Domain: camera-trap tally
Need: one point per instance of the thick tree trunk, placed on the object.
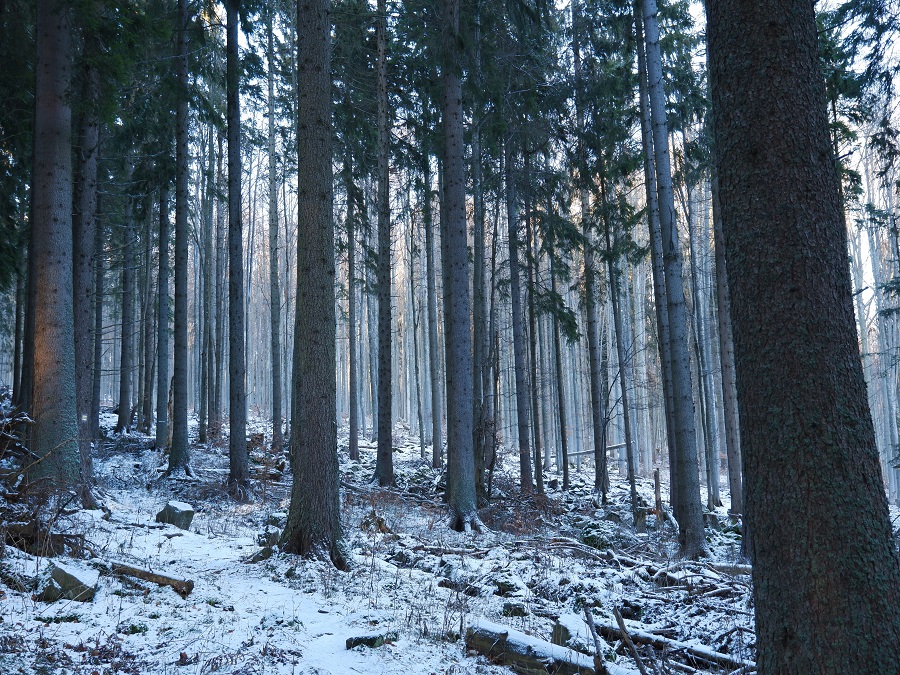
(179, 453)
(826, 576)
(460, 453)
(274, 284)
(515, 293)
(688, 509)
(384, 463)
(55, 432)
(314, 525)
(238, 471)
(84, 226)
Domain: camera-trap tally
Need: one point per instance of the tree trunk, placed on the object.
(84, 226)
(522, 399)
(532, 331)
(726, 356)
(147, 326)
(274, 284)
(238, 471)
(688, 509)
(179, 453)
(55, 432)
(433, 358)
(162, 325)
(460, 453)
(97, 375)
(826, 595)
(384, 463)
(560, 389)
(126, 360)
(206, 375)
(314, 525)
(351, 313)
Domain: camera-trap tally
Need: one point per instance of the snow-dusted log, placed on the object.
(610, 630)
(181, 586)
(530, 655)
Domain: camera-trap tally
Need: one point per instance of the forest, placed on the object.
(450, 336)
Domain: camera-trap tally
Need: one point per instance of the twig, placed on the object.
(627, 638)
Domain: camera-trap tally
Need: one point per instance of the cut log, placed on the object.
(611, 631)
(181, 586)
(529, 655)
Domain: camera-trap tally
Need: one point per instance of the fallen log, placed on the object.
(181, 586)
(530, 655)
(611, 631)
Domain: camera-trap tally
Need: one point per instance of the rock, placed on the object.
(262, 554)
(372, 639)
(70, 582)
(268, 537)
(514, 609)
(179, 514)
(712, 521)
(507, 584)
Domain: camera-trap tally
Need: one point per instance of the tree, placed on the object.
(314, 525)
(55, 435)
(825, 571)
(179, 453)
(238, 472)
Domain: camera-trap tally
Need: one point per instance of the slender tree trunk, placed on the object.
(126, 360)
(221, 278)
(162, 325)
(97, 375)
(274, 284)
(314, 525)
(351, 312)
(532, 331)
(207, 243)
(55, 432)
(726, 355)
(238, 472)
(179, 453)
(433, 358)
(688, 509)
(146, 398)
(826, 597)
(384, 465)
(656, 257)
(560, 389)
(19, 331)
(522, 399)
(460, 453)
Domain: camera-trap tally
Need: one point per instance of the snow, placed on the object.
(418, 578)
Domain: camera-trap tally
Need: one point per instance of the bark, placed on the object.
(97, 373)
(351, 313)
(19, 332)
(84, 226)
(147, 325)
(179, 453)
(314, 526)
(532, 331)
(206, 309)
(384, 463)
(688, 509)
(162, 325)
(274, 283)
(826, 595)
(521, 377)
(215, 423)
(460, 452)
(55, 432)
(238, 467)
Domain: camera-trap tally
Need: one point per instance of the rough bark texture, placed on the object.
(384, 464)
(126, 359)
(84, 226)
(238, 472)
(352, 322)
(55, 433)
(314, 525)
(98, 327)
(687, 504)
(179, 453)
(826, 578)
(460, 454)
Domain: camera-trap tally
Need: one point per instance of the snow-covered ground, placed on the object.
(413, 579)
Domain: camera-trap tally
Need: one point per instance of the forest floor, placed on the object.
(413, 580)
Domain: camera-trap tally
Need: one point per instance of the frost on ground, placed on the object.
(415, 584)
